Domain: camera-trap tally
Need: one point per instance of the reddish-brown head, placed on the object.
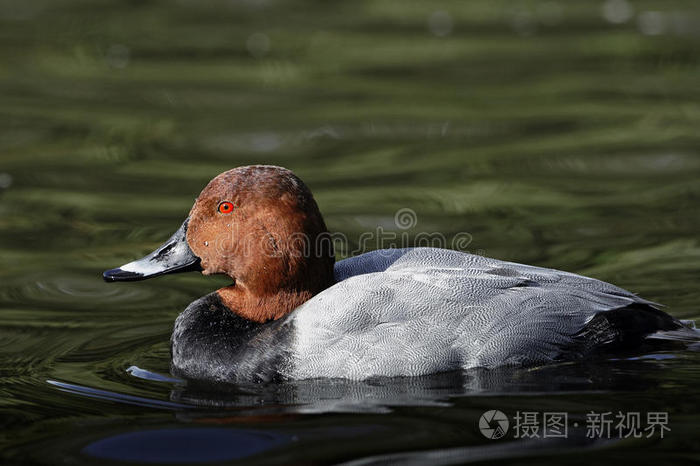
(260, 225)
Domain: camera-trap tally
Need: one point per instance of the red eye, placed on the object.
(225, 207)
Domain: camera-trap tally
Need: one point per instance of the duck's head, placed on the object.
(259, 225)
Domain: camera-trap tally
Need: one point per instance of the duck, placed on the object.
(292, 312)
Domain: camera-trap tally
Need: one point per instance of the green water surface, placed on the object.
(559, 134)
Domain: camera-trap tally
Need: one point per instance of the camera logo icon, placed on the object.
(493, 424)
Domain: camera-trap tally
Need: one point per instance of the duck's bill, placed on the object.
(173, 256)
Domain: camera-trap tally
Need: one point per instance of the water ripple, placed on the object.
(72, 289)
(113, 396)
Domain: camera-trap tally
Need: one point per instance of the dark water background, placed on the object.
(561, 134)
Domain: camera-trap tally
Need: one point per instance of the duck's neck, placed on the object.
(262, 307)
(259, 299)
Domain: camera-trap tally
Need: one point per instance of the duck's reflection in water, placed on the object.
(227, 422)
(379, 395)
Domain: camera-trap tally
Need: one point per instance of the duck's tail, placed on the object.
(687, 332)
(632, 327)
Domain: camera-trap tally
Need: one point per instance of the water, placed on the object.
(548, 133)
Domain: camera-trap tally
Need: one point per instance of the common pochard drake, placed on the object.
(293, 313)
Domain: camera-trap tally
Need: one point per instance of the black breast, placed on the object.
(212, 343)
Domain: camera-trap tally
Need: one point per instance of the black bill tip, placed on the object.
(119, 275)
